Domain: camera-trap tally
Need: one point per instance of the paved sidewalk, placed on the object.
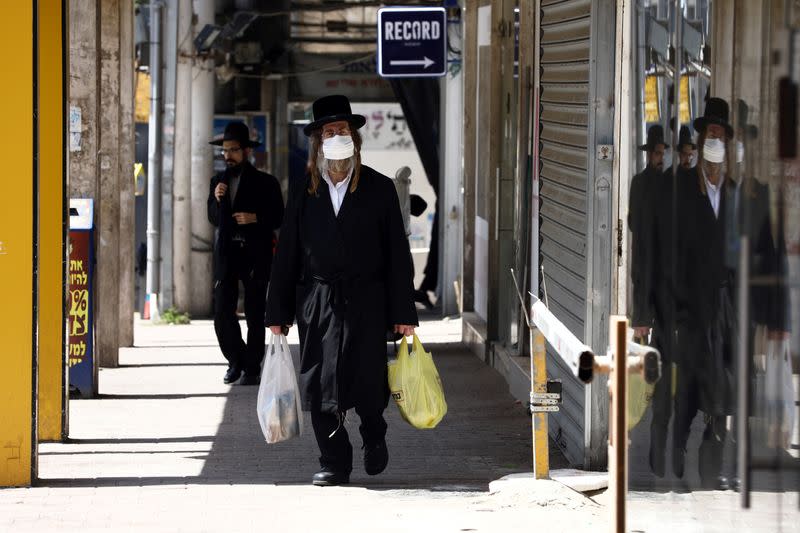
(168, 447)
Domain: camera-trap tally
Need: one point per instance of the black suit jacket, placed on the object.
(641, 221)
(258, 193)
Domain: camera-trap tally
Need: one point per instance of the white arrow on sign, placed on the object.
(424, 63)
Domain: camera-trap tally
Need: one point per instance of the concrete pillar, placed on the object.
(126, 159)
(108, 174)
(101, 157)
(83, 97)
(202, 169)
(182, 189)
(169, 44)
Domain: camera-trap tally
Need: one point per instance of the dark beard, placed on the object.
(339, 165)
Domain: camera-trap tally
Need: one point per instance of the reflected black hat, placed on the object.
(716, 112)
(236, 131)
(750, 131)
(655, 135)
(333, 109)
(685, 138)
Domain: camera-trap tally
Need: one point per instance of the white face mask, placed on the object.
(338, 147)
(714, 151)
(739, 151)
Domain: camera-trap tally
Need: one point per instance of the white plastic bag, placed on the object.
(780, 394)
(279, 412)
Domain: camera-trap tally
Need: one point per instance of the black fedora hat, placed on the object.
(236, 131)
(333, 108)
(716, 112)
(655, 135)
(749, 131)
(685, 138)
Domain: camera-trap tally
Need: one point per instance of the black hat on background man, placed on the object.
(750, 131)
(685, 138)
(655, 136)
(716, 112)
(236, 131)
(333, 108)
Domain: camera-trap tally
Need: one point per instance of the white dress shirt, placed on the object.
(337, 191)
(714, 194)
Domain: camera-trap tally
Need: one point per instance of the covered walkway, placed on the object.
(167, 446)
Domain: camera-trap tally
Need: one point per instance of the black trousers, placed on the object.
(663, 340)
(249, 356)
(687, 405)
(336, 452)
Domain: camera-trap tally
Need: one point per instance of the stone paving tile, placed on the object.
(170, 448)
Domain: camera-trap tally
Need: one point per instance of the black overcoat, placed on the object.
(703, 289)
(258, 193)
(641, 220)
(346, 279)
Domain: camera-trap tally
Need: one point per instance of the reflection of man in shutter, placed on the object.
(641, 222)
(343, 271)
(705, 317)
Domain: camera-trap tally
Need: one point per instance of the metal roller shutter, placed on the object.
(564, 98)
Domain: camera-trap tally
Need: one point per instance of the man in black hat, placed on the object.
(686, 148)
(246, 206)
(640, 222)
(704, 314)
(343, 271)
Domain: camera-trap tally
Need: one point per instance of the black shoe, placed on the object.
(678, 461)
(250, 379)
(376, 457)
(422, 297)
(328, 477)
(717, 483)
(657, 461)
(232, 375)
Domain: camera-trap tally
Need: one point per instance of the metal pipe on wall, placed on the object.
(154, 151)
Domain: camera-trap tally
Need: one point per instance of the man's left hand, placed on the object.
(406, 329)
(245, 218)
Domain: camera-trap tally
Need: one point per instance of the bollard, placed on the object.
(541, 448)
(618, 427)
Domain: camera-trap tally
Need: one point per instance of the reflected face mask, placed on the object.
(714, 151)
(338, 147)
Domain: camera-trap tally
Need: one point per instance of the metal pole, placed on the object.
(641, 63)
(676, 83)
(154, 151)
(618, 432)
(541, 451)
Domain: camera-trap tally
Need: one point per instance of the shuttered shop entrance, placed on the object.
(564, 96)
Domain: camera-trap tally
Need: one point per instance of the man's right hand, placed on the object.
(279, 330)
(220, 191)
(641, 332)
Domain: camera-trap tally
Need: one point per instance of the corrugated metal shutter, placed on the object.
(564, 62)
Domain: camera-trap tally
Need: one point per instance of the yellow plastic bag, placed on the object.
(416, 386)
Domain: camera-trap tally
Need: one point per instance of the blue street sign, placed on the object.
(412, 42)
